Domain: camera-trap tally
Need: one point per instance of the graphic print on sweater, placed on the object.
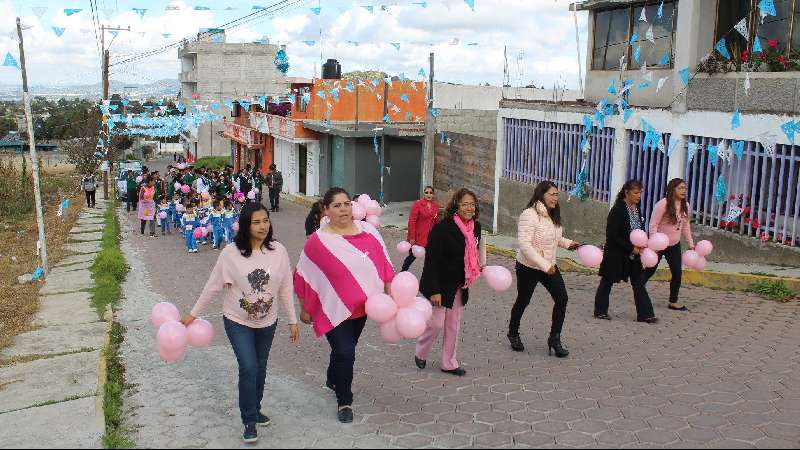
(258, 309)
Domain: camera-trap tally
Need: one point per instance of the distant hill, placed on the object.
(160, 88)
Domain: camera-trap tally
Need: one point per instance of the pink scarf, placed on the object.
(472, 265)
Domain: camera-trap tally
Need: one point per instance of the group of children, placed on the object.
(189, 212)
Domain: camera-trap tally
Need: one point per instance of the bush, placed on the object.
(213, 162)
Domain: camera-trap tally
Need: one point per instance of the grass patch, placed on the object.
(774, 290)
(115, 434)
(108, 269)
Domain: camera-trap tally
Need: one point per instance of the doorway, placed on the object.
(302, 166)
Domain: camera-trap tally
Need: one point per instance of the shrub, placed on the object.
(213, 162)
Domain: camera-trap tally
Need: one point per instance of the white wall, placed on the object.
(312, 169)
(286, 160)
(461, 96)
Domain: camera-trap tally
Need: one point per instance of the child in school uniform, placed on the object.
(228, 218)
(177, 216)
(190, 222)
(203, 218)
(173, 211)
(216, 223)
(164, 209)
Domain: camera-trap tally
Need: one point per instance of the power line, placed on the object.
(270, 10)
(96, 24)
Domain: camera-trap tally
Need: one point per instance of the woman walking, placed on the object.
(343, 264)
(424, 214)
(540, 234)
(621, 259)
(671, 217)
(147, 206)
(252, 277)
(454, 259)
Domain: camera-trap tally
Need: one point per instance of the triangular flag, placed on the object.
(634, 38)
(674, 143)
(404, 98)
(736, 120)
(422, 4)
(114, 33)
(396, 45)
(738, 149)
(713, 154)
(757, 45)
(422, 73)
(650, 35)
(627, 115)
(661, 82)
(789, 128)
(316, 10)
(684, 73)
(768, 141)
(70, 12)
(612, 88)
(741, 27)
(644, 85)
(166, 35)
(664, 60)
(734, 212)
(258, 7)
(140, 11)
(202, 8)
(371, 9)
(767, 8)
(125, 102)
(721, 193)
(39, 11)
(691, 150)
(310, 43)
(10, 61)
(722, 48)
(643, 16)
(471, 4)
(747, 83)
(637, 54)
(58, 31)
(660, 12)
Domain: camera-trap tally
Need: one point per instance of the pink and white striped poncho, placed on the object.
(336, 274)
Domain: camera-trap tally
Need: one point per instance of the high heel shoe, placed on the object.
(554, 345)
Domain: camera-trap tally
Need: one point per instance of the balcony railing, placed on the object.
(243, 135)
(279, 126)
(189, 77)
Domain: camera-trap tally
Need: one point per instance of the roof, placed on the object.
(20, 143)
(588, 5)
(366, 129)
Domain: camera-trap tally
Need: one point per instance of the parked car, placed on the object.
(121, 169)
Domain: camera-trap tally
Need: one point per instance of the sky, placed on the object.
(538, 37)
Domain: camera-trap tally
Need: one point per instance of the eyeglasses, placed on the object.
(468, 205)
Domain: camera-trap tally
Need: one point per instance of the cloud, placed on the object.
(537, 35)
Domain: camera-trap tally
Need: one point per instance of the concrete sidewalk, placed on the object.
(718, 275)
(50, 392)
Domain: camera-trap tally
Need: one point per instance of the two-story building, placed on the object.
(704, 90)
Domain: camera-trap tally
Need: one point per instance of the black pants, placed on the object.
(409, 261)
(152, 225)
(343, 340)
(274, 198)
(527, 279)
(132, 201)
(675, 262)
(90, 199)
(638, 279)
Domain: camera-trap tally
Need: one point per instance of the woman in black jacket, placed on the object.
(453, 261)
(621, 259)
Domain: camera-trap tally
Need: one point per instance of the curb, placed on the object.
(302, 200)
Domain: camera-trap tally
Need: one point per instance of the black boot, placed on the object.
(554, 345)
(516, 342)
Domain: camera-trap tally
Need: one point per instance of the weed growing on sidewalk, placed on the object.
(115, 435)
(774, 290)
(109, 268)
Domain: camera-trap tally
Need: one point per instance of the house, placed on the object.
(363, 135)
(213, 70)
(674, 89)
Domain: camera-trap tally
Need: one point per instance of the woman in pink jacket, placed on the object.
(540, 235)
(424, 215)
(671, 217)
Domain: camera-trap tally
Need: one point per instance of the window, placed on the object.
(729, 13)
(237, 110)
(614, 30)
(777, 27)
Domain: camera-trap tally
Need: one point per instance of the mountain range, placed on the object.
(160, 88)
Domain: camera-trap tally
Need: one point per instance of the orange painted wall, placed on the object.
(370, 106)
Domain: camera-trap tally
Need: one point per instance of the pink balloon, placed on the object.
(389, 332)
(498, 277)
(364, 200)
(704, 248)
(649, 258)
(374, 208)
(381, 308)
(418, 251)
(205, 231)
(590, 256)
(251, 195)
(403, 247)
(256, 190)
(163, 312)
(198, 233)
(185, 189)
(177, 185)
(170, 356)
(172, 335)
(359, 213)
(162, 215)
(424, 306)
(639, 238)
(690, 258)
(375, 221)
(405, 287)
(658, 242)
(200, 333)
(180, 208)
(235, 227)
(139, 179)
(410, 323)
(701, 263)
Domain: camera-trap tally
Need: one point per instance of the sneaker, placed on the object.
(250, 434)
(263, 420)
(345, 414)
(516, 342)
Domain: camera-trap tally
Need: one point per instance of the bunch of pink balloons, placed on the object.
(365, 208)
(696, 259)
(403, 247)
(185, 189)
(650, 246)
(251, 195)
(177, 185)
(162, 215)
(240, 197)
(402, 315)
(139, 179)
(172, 336)
(498, 277)
(590, 256)
(198, 232)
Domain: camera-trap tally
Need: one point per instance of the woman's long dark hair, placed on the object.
(627, 187)
(672, 215)
(242, 239)
(538, 196)
(452, 206)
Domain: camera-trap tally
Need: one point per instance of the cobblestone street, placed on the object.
(724, 375)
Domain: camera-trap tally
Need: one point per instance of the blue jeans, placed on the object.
(218, 235)
(251, 346)
(191, 242)
(343, 340)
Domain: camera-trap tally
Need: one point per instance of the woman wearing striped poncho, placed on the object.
(342, 264)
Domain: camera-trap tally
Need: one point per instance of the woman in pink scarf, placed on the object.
(453, 261)
(147, 206)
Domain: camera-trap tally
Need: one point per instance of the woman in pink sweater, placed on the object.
(671, 217)
(540, 236)
(253, 277)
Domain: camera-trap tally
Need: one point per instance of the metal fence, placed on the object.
(650, 167)
(766, 188)
(537, 151)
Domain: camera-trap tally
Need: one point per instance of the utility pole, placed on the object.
(105, 65)
(37, 192)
